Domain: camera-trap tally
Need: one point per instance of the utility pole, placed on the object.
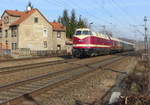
(145, 38)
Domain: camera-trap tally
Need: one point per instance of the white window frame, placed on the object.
(45, 44)
(14, 46)
(14, 32)
(45, 32)
(58, 47)
(58, 34)
(0, 33)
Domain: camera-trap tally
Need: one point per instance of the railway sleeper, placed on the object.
(54, 81)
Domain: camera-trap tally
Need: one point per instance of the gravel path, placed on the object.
(21, 75)
(87, 89)
(23, 62)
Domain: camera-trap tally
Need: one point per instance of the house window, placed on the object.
(6, 20)
(14, 46)
(58, 34)
(45, 44)
(14, 31)
(45, 32)
(6, 33)
(6, 43)
(58, 47)
(0, 33)
(36, 20)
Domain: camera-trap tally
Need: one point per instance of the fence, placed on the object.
(5, 52)
(49, 53)
(28, 52)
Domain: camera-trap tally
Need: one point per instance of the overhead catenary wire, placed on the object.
(65, 6)
(125, 12)
(88, 13)
(107, 12)
(92, 15)
(77, 6)
(110, 14)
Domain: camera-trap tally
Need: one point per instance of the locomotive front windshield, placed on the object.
(83, 33)
(78, 32)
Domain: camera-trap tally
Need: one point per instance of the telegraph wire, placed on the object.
(107, 11)
(90, 14)
(111, 15)
(58, 3)
(126, 13)
(123, 11)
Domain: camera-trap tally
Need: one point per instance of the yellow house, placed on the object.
(59, 35)
(30, 30)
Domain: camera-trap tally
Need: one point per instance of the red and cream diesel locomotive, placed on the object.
(88, 43)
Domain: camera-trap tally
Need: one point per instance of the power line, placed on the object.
(124, 11)
(85, 11)
(95, 16)
(55, 3)
(131, 19)
(89, 13)
(110, 14)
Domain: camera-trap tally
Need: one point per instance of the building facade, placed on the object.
(59, 35)
(30, 30)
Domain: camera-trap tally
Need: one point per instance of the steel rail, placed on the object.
(34, 87)
(17, 68)
(12, 69)
(55, 72)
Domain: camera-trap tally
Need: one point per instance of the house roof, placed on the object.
(23, 16)
(57, 26)
(15, 12)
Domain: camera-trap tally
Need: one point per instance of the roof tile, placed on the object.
(24, 16)
(15, 12)
(57, 26)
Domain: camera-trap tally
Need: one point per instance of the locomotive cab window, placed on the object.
(86, 33)
(78, 32)
(83, 33)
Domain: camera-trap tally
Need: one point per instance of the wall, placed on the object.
(59, 41)
(31, 35)
(10, 39)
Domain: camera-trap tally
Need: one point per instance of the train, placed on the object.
(87, 43)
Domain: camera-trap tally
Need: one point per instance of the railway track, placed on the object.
(14, 92)
(30, 58)
(21, 59)
(11, 69)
